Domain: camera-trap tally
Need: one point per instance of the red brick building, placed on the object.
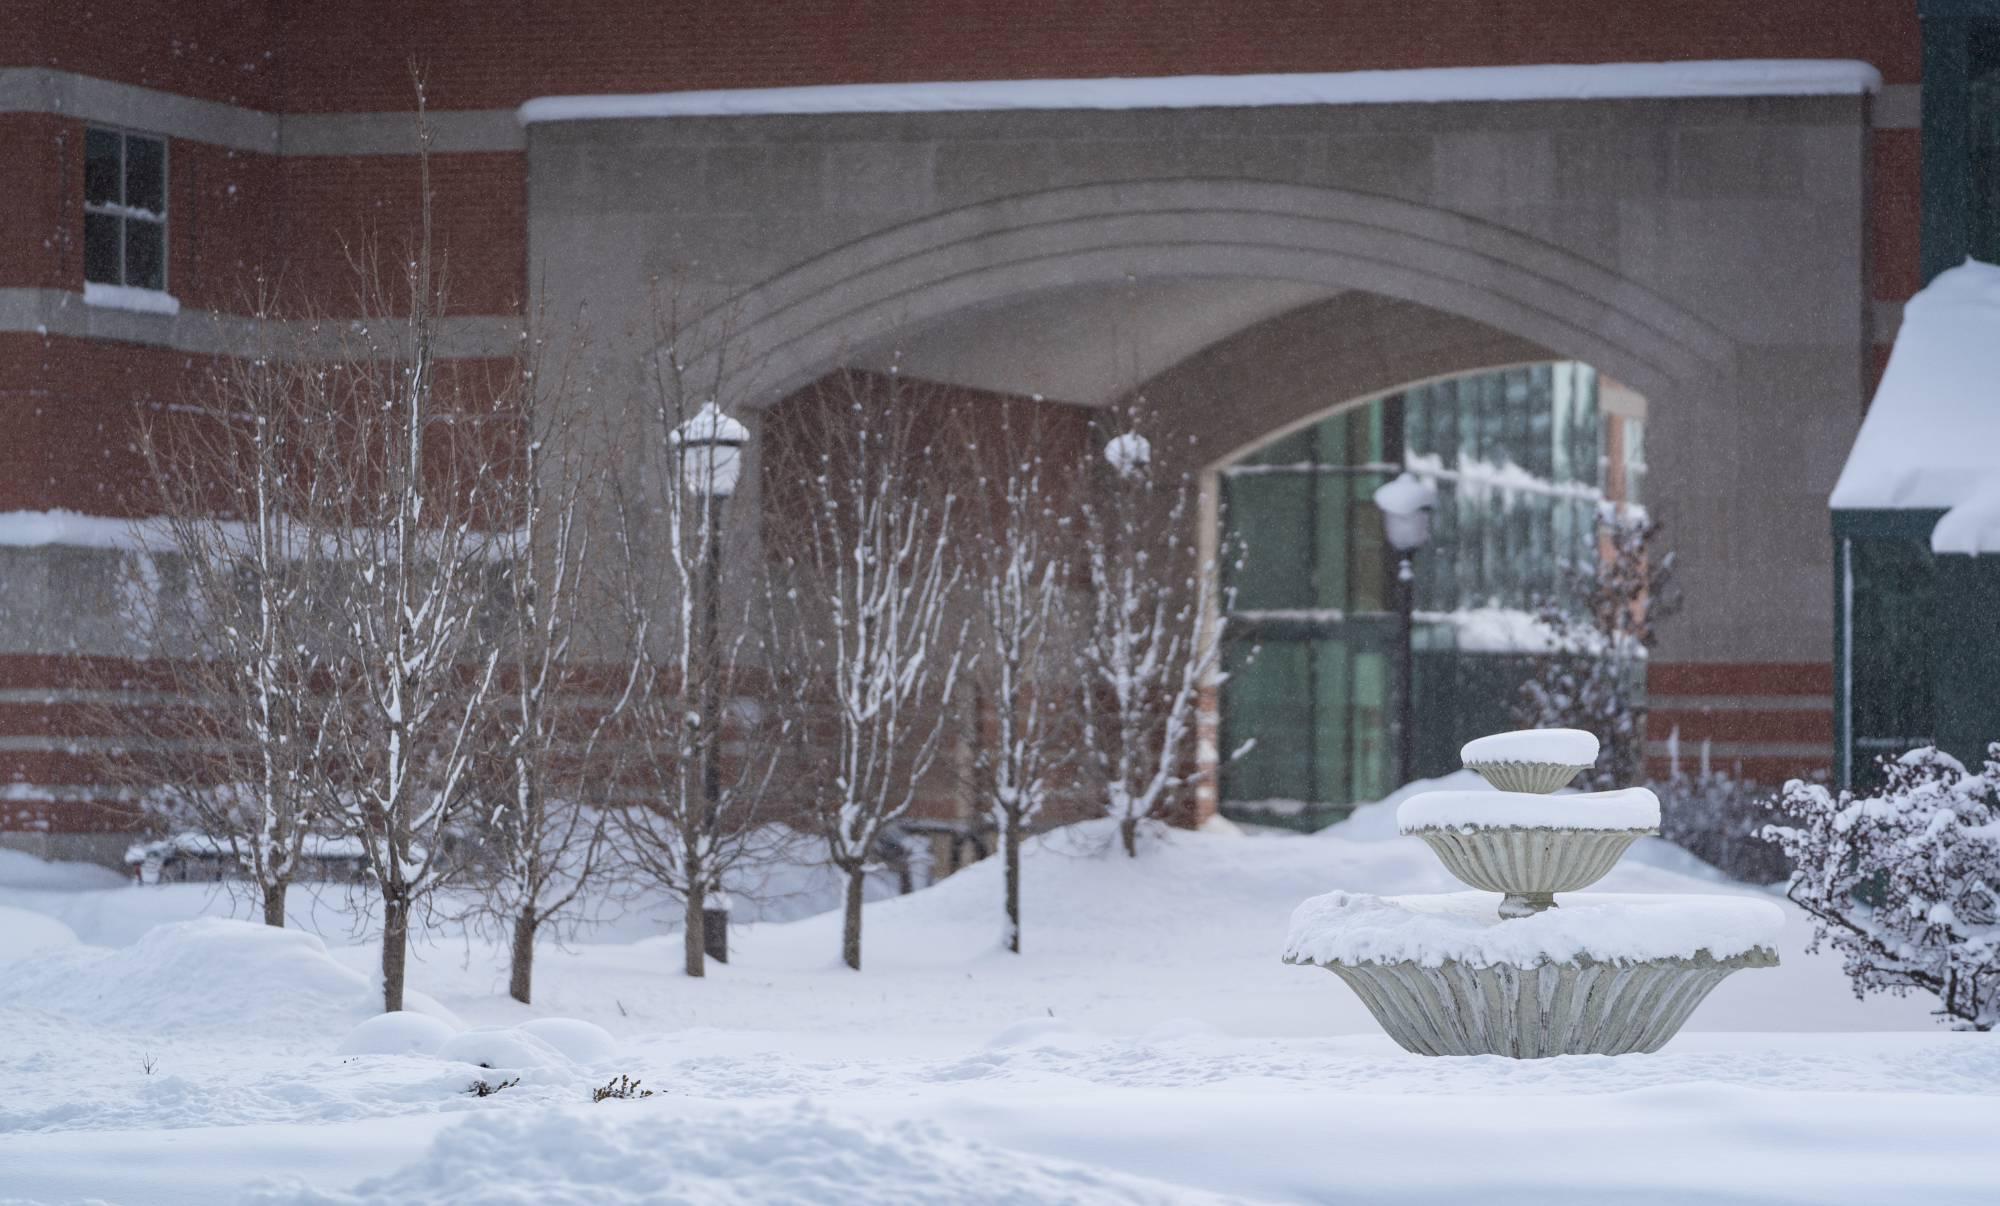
(172, 149)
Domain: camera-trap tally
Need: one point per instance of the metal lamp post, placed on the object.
(1407, 503)
(710, 447)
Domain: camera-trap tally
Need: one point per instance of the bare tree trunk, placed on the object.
(274, 904)
(1128, 833)
(850, 932)
(395, 950)
(1011, 839)
(696, 932)
(521, 971)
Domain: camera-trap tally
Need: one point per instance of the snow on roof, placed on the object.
(1973, 526)
(1932, 435)
(1591, 81)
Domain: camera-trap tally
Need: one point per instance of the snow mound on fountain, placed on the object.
(1465, 927)
(1628, 808)
(1563, 747)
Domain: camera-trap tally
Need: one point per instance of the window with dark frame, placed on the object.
(124, 209)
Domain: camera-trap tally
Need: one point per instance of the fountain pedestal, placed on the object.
(1463, 974)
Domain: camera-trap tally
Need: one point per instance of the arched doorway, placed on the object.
(1523, 458)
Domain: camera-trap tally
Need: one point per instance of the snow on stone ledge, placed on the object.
(1592, 81)
(126, 297)
(1973, 526)
(1629, 808)
(1932, 435)
(1564, 747)
(31, 529)
(1354, 927)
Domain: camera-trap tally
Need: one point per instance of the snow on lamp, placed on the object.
(1406, 503)
(1130, 454)
(711, 451)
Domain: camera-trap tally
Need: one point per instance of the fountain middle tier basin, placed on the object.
(1529, 847)
(1605, 974)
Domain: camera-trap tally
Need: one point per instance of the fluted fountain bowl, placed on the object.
(1606, 974)
(1529, 866)
(1536, 778)
(1529, 847)
(1536, 761)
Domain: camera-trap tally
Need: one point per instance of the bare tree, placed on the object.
(1023, 553)
(409, 449)
(1602, 630)
(1151, 638)
(702, 753)
(235, 749)
(869, 656)
(546, 836)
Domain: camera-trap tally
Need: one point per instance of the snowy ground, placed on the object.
(1148, 1047)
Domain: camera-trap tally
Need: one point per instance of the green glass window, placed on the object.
(1515, 456)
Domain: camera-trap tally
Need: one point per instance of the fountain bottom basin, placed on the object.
(1586, 1007)
(1604, 974)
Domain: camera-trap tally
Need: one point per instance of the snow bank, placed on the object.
(1627, 808)
(1932, 435)
(399, 1033)
(580, 1041)
(23, 934)
(203, 976)
(1353, 927)
(501, 1047)
(19, 870)
(1376, 821)
(721, 1158)
(1592, 81)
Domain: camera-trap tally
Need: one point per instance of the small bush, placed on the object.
(1905, 882)
(622, 1089)
(481, 1088)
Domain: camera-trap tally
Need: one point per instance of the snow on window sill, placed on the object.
(127, 297)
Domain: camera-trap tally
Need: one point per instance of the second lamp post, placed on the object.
(1406, 502)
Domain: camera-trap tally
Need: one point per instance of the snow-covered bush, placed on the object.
(1720, 819)
(1601, 630)
(1903, 881)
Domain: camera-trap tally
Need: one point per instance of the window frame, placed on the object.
(125, 213)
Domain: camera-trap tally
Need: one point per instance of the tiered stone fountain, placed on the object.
(1463, 974)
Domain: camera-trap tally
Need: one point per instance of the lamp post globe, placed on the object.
(1130, 454)
(710, 446)
(1407, 503)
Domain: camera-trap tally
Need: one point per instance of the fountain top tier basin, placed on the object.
(1531, 760)
(1353, 928)
(1633, 808)
(1572, 746)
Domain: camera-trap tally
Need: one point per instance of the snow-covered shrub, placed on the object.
(623, 1088)
(1720, 819)
(1903, 881)
(1601, 631)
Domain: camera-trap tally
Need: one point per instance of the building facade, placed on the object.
(1715, 206)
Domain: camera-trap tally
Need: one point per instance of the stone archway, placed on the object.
(790, 327)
